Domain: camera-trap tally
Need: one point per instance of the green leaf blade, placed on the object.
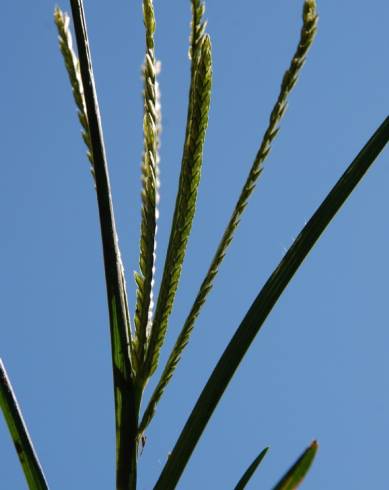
(292, 479)
(262, 306)
(251, 470)
(127, 398)
(18, 430)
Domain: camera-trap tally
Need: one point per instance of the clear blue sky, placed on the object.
(319, 368)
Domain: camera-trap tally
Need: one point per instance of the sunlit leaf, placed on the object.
(292, 479)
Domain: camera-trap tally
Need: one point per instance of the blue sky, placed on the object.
(319, 368)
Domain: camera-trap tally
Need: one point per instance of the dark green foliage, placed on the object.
(13, 416)
(251, 470)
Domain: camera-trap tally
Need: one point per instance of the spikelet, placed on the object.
(198, 26)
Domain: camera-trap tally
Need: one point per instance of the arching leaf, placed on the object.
(262, 306)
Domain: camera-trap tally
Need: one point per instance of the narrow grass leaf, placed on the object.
(289, 80)
(262, 306)
(151, 130)
(251, 470)
(126, 398)
(298, 471)
(13, 416)
(197, 121)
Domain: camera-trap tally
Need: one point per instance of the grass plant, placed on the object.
(137, 337)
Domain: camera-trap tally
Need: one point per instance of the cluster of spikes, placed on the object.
(150, 327)
(149, 331)
(138, 347)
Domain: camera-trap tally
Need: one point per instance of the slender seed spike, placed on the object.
(149, 194)
(307, 35)
(72, 65)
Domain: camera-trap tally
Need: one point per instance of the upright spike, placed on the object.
(150, 184)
